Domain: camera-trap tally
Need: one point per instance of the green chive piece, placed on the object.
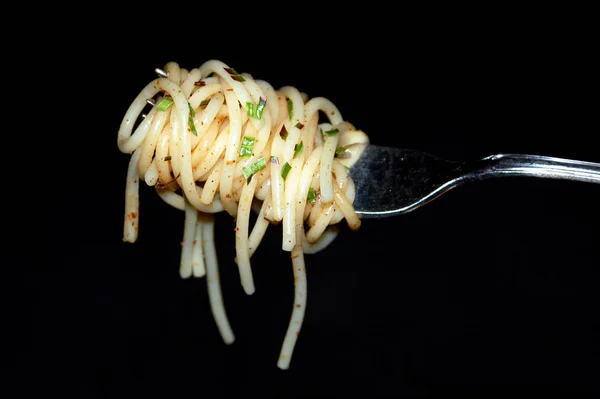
(191, 120)
(247, 172)
(250, 109)
(283, 133)
(340, 150)
(247, 146)
(165, 103)
(256, 167)
(259, 165)
(204, 103)
(285, 170)
(260, 108)
(299, 125)
(332, 132)
(235, 75)
(290, 105)
(298, 149)
(322, 134)
(312, 195)
(192, 126)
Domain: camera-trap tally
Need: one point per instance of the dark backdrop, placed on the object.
(490, 290)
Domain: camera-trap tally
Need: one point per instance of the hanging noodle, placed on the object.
(216, 140)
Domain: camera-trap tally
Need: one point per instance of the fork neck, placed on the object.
(500, 165)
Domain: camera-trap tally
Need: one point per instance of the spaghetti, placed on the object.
(216, 140)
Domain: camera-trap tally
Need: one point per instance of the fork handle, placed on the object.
(499, 165)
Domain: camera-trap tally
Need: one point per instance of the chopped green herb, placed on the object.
(191, 120)
(275, 160)
(347, 168)
(247, 172)
(204, 103)
(332, 132)
(285, 170)
(247, 146)
(165, 103)
(322, 134)
(260, 107)
(235, 75)
(250, 109)
(290, 105)
(312, 195)
(298, 149)
(256, 111)
(192, 126)
(256, 167)
(283, 133)
(299, 125)
(342, 152)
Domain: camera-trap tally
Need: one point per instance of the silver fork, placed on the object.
(392, 181)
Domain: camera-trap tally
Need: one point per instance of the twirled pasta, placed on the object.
(216, 140)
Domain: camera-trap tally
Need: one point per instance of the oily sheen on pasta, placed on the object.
(216, 140)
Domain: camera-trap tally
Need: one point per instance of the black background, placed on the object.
(490, 290)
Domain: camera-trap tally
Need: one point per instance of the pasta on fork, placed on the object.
(216, 140)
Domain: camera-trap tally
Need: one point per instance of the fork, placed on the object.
(393, 181)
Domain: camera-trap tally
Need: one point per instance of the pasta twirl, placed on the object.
(216, 140)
